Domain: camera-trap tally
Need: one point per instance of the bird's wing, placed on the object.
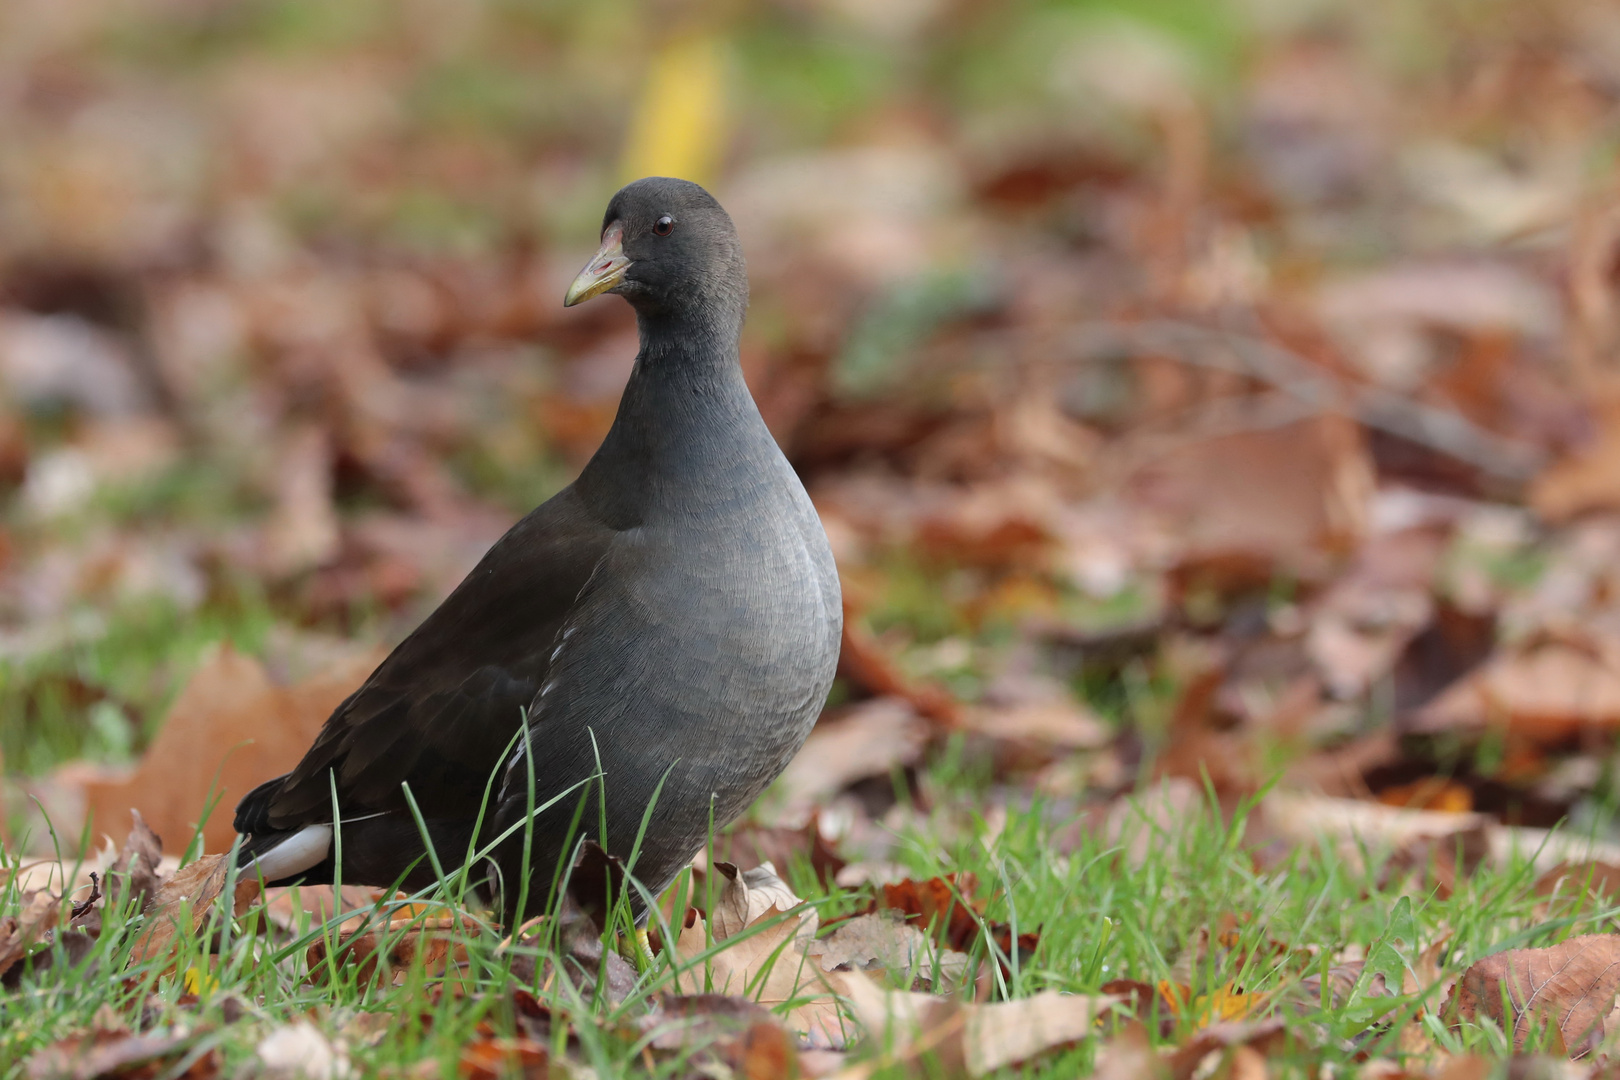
(439, 711)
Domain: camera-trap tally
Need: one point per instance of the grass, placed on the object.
(1188, 907)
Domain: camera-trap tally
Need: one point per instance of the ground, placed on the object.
(1212, 407)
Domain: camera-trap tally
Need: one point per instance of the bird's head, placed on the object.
(670, 249)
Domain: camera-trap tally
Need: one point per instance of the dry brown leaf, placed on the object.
(1570, 986)
(863, 660)
(229, 729)
(1187, 1060)
(946, 907)
(753, 844)
(302, 531)
(766, 964)
(1127, 1056)
(1547, 690)
(136, 870)
(297, 908)
(492, 1058)
(1354, 824)
(1286, 495)
(973, 1040)
(386, 955)
(885, 942)
(749, 894)
(1586, 480)
(107, 1055)
(870, 739)
(300, 1051)
(1360, 627)
(1063, 725)
(1599, 880)
(18, 933)
(726, 1035)
(190, 894)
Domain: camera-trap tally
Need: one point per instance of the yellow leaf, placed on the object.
(198, 980)
(680, 120)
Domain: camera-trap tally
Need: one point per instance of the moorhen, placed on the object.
(668, 623)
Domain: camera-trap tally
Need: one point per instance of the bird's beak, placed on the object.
(604, 271)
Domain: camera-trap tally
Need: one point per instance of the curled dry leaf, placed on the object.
(18, 933)
(1568, 988)
(189, 895)
(135, 875)
(748, 894)
(973, 1040)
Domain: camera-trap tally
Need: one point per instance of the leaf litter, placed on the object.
(1200, 453)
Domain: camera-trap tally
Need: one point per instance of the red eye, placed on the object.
(664, 225)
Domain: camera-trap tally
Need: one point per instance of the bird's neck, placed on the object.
(686, 415)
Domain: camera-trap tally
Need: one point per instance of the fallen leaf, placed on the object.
(1549, 690)
(885, 942)
(863, 660)
(753, 844)
(1353, 825)
(1430, 793)
(106, 1055)
(18, 933)
(1586, 480)
(1127, 1056)
(189, 896)
(1569, 987)
(1013, 1032)
(945, 907)
(1599, 880)
(870, 739)
(299, 1051)
(1187, 1060)
(973, 1040)
(766, 964)
(491, 1058)
(747, 895)
(295, 909)
(302, 531)
(385, 955)
(712, 1032)
(1287, 496)
(1061, 725)
(134, 876)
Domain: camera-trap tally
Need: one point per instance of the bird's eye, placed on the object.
(664, 225)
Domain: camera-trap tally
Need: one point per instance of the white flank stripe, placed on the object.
(300, 851)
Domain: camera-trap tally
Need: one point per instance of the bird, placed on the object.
(652, 645)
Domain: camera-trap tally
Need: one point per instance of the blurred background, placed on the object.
(1191, 388)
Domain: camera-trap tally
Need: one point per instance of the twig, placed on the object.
(1441, 430)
